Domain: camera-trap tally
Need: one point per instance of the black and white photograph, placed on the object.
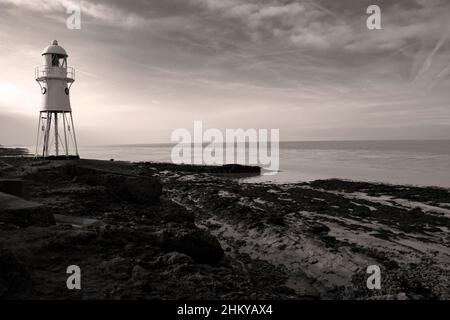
(203, 152)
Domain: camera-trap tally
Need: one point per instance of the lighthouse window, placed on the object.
(58, 60)
(55, 60)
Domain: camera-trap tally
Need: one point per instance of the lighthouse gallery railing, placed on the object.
(42, 72)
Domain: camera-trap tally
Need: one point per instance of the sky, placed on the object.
(309, 68)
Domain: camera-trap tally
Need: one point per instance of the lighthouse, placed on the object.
(56, 133)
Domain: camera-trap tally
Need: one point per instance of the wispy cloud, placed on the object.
(276, 62)
(101, 11)
(429, 59)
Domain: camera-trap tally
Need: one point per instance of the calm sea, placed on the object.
(402, 162)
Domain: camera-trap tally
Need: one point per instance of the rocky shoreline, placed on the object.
(161, 231)
(13, 152)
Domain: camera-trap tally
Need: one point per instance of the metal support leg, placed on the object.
(56, 135)
(74, 135)
(47, 134)
(38, 134)
(65, 134)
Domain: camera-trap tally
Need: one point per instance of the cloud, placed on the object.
(100, 11)
(275, 61)
(16, 129)
(429, 60)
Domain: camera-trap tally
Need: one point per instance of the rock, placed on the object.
(23, 213)
(402, 296)
(276, 220)
(237, 168)
(3, 290)
(14, 275)
(196, 278)
(140, 189)
(160, 236)
(198, 244)
(174, 213)
(176, 258)
(12, 186)
(5, 166)
(116, 268)
(144, 189)
(74, 220)
(223, 169)
(138, 273)
(319, 228)
(13, 151)
(72, 238)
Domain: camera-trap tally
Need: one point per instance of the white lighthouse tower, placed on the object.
(56, 133)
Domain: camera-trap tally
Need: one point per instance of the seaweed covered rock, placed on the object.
(23, 213)
(15, 187)
(140, 189)
(14, 276)
(199, 244)
(143, 189)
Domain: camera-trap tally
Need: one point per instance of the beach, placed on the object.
(153, 230)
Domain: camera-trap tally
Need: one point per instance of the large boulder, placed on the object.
(199, 244)
(140, 189)
(143, 189)
(23, 213)
(15, 278)
(12, 186)
(117, 268)
(146, 190)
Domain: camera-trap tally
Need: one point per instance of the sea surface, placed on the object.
(424, 162)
